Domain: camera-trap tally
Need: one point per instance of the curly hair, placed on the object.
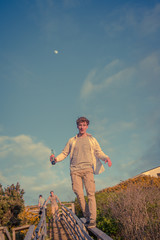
(82, 119)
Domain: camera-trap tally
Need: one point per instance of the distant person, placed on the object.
(54, 205)
(85, 153)
(41, 202)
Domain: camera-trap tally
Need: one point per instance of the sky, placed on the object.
(62, 59)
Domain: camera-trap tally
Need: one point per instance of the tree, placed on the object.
(11, 204)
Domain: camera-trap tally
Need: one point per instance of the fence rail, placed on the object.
(4, 234)
(41, 230)
(75, 226)
(30, 232)
(97, 232)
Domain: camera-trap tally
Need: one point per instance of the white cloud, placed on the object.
(99, 80)
(26, 161)
(105, 131)
(23, 146)
(115, 74)
(144, 21)
(149, 69)
(150, 22)
(88, 86)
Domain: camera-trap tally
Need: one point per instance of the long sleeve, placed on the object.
(64, 153)
(98, 151)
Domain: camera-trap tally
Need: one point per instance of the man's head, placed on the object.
(51, 192)
(82, 125)
(40, 196)
(82, 120)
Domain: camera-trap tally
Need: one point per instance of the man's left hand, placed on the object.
(108, 160)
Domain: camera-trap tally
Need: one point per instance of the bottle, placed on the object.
(53, 162)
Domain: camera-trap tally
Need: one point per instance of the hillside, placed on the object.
(140, 181)
(129, 210)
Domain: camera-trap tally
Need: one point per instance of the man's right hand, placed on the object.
(53, 160)
(52, 157)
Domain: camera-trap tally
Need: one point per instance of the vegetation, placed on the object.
(11, 204)
(130, 210)
(28, 217)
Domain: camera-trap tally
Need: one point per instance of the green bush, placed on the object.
(11, 204)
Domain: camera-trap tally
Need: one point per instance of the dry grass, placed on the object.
(137, 210)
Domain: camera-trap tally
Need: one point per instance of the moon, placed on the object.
(56, 51)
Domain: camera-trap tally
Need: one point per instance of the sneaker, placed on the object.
(87, 223)
(91, 225)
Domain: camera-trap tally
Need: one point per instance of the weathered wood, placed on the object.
(18, 229)
(97, 232)
(4, 232)
(75, 226)
(58, 231)
(40, 231)
(29, 234)
(73, 207)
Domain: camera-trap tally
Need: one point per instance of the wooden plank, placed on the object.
(97, 232)
(58, 231)
(21, 228)
(29, 233)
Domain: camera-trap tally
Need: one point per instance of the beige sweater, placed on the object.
(96, 152)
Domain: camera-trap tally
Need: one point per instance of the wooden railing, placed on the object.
(77, 228)
(29, 234)
(14, 230)
(97, 232)
(74, 225)
(4, 234)
(40, 232)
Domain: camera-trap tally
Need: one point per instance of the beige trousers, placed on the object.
(86, 177)
(55, 211)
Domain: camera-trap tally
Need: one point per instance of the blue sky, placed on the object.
(107, 68)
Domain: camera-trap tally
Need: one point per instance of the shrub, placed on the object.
(133, 207)
(11, 204)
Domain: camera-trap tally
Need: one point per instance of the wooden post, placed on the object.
(13, 234)
(73, 207)
(4, 232)
(18, 229)
(2, 235)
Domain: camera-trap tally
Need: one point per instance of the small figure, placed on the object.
(54, 205)
(41, 202)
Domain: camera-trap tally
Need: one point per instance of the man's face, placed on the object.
(82, 127)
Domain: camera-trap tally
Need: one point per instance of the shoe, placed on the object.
(91, 225)
(86, 223)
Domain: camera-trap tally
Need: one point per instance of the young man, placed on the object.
(41, 202)
(85, 153)
(54, 205)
